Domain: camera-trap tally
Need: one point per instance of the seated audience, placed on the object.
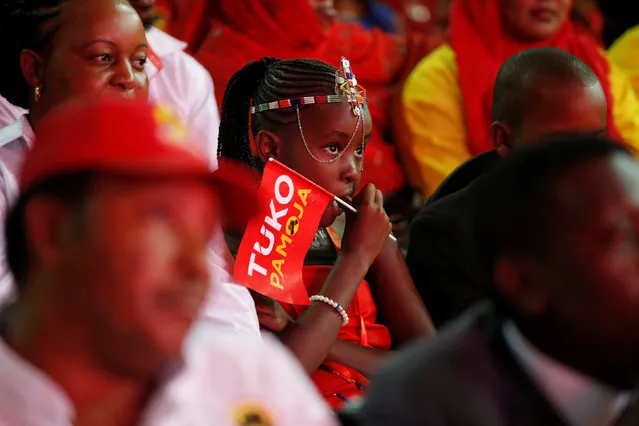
(108, 244)
(247, 30)
(44, 66)
(557, 231)
(538, 92)
(447, 98)
(340, 356)
(623, 53)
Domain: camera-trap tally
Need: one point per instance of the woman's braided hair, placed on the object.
(24, 24)
(264, 81)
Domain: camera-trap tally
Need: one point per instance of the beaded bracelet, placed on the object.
(340, 310)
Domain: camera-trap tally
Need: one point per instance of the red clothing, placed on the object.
(481, 46)
(361, 329)
(337, 382)
(247, 30)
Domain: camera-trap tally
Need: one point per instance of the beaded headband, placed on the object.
(347, 83)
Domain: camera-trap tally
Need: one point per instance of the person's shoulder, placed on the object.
(175, 60)
(449, 208)
(262, 371)
(457, 343)
(426, 381)
(627, 42)
(441, 61)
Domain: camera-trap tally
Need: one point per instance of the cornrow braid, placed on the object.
(266, 81)
(24, 24)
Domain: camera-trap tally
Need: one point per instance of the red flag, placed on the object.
(272, 251)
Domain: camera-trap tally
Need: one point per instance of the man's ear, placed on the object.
(501, 136)
(512, 277)
(267, 145)
(45, 226)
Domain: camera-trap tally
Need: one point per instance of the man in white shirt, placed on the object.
(108, 247)
(177, 79)
(557, 231)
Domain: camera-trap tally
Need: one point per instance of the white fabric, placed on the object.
(9, 112)
(581, 400)
(186, 85)
(15, 140)
(220, 374)
(182, 82)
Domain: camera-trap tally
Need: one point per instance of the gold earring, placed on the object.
(36, 93)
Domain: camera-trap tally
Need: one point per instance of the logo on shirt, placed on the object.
(251, 415)
(171, 129)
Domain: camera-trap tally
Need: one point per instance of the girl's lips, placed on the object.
(544, 14)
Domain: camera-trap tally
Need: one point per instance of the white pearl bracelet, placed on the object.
(340, 310)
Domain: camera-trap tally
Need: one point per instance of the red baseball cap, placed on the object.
(133, 138)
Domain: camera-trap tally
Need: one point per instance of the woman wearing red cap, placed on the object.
(447, 99)
(326, 143)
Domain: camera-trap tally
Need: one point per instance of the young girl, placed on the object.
(325, 142)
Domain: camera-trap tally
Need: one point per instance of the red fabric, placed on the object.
(184, 19)
(361, 329)
(247, 30)
(481, 46)
(271, 256)
(131, 137)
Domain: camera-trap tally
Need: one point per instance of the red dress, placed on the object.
(337, 382)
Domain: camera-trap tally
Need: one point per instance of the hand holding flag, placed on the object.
(271, 255)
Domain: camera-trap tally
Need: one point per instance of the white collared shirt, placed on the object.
(580, 400)
(223, 377)
(181, 82)
(186, 85)
(230, 305)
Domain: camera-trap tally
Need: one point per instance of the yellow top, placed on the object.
(623, 53)
(431, 134)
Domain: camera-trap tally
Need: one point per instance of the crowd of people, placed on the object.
(476, 264)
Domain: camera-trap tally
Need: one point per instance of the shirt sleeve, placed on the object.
(431, 135)
(6, 278)
(626, 107)
(229, 305)
(623, 54)
(294, 399)
(202, 115)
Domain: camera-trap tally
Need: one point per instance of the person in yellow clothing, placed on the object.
(446, 102)
(623, 53)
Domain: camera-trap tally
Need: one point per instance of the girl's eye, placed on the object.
(332, 149)
(359, 151)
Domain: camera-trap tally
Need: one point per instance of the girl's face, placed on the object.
(329, 130)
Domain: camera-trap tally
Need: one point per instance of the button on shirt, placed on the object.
(223, 380)
(580, 400)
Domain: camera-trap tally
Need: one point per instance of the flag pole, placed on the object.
(337, 199)
(354, 210)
